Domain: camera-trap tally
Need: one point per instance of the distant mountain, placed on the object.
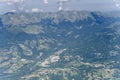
(9, 13)
(66, 45)
(114, 13)
(1, 24)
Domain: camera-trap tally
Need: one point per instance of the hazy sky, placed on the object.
(52, 5)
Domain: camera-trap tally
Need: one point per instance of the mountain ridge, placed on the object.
(65, 14)
(54, 19)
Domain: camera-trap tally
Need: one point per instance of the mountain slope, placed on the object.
(68, 45)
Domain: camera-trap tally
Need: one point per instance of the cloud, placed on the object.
(13, 1)
(117, 3)
(9, 3)
(45, 1)
(18, 0)
(36, 10)
(18, 4)
(13, 10)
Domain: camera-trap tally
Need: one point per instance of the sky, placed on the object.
(54, 5)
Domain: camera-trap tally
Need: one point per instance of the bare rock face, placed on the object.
(66, 45)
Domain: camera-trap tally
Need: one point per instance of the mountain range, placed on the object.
(65, 45)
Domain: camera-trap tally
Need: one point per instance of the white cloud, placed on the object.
(18, 0)
(9, 3)
(117, 3)
(11, 0)
(13, 10)
(18, 4)
(45, 1)
(36, 10)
